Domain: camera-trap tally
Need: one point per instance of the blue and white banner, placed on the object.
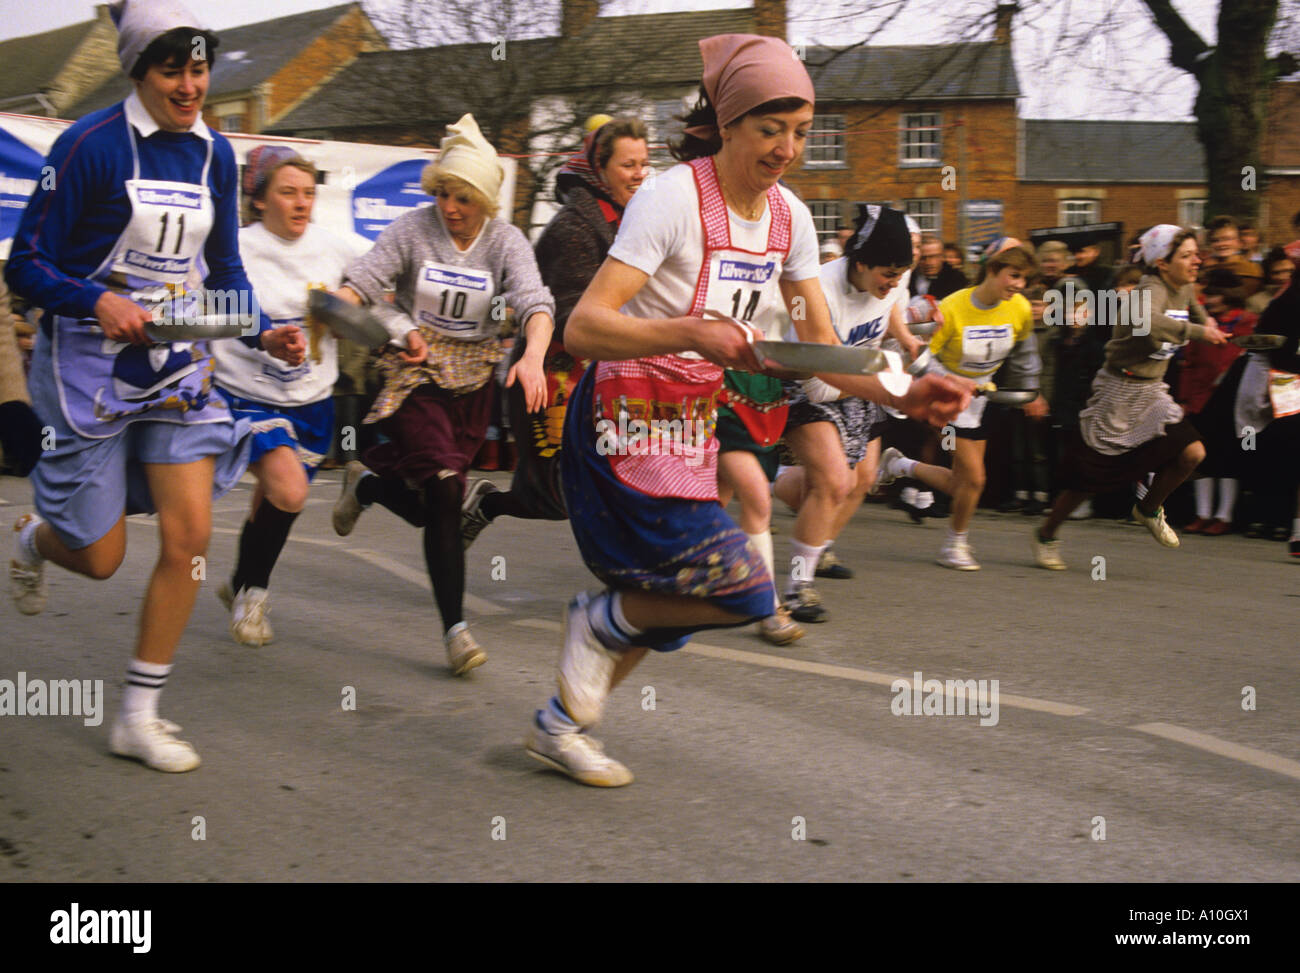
(365, 187)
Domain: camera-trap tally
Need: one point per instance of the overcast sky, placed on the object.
(1065, 70)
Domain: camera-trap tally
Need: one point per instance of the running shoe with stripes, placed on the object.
(586, 666)
(152, 741)
(830, 566)
(578, 755)
(27, 578)
(348, 508)
(883, 476)
(463, 651)
(1158, 526)
(805, 604)
(779, 628)
(248, 611)
(472, 519)
(958, 555)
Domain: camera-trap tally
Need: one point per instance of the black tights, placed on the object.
(436, 508)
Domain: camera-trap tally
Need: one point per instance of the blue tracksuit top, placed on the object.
(69, 228)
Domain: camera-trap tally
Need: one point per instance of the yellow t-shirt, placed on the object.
(975, 343)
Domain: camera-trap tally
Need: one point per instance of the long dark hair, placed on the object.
(690, 147)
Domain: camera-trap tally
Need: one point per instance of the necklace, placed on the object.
(750, 213)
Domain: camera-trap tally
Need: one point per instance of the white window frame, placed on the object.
(1069, 211)
(827, 216)
(826, 139)
(928, 213)
(1191, 212)
(911, 123)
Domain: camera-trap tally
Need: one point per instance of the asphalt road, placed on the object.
(1121, 749)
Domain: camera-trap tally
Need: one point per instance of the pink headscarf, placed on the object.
(743, 71)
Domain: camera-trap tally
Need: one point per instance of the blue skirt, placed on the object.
(632, 541)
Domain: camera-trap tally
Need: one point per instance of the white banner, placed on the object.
(365, 186)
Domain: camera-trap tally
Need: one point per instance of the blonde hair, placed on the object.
(251, 213)
(435, 180)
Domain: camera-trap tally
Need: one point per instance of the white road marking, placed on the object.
(835, 672)
(1233, 751)
(300, 540)
(479, 606)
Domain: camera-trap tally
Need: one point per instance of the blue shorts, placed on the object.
(306, 429)
(83, 486)
(635, 542)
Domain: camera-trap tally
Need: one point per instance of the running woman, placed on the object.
(982, 327)
(594, 185)
(867, 294)
(291, 409)
(647, 520)
(144, 206)
(1131, 425)
(456, 267)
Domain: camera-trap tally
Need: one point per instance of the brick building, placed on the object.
(262, 70)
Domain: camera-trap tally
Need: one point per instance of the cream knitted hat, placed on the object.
(466, 154)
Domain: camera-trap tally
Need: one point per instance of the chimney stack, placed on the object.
(769, 18)
(575, 15)
(1003, 15)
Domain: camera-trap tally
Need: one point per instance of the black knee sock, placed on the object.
(443, 553)
(393, 493)
(260, 544)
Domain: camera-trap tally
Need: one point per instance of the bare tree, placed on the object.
(1233, 81)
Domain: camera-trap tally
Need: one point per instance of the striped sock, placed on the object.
(144, 684)
(605, 614)
(554, 719)
(27, 541)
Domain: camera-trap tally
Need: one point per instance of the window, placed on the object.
(825, 146)
(918, 140)
(232, 123)
(1077, 212)
(928, 213)
(826, 217)
(1191, 212)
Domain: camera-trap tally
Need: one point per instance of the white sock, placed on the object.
(144, 685)
(803, 563)
(924, 499)
(1295, 529)
(763, 544)
(1022, 494)
(901, 466)
(1141, 488)
(27, 542)
(1204, 488)
(956, 535)
(1227, 499)
(908, 495)
(1040, 496)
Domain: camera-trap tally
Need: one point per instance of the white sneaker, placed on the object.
(26, 580)
(780, 628)
(883, 476)
(1082, 512)
(578, 755)
(1047, 554)
(958, 555)
(1156, 523)
(586, 666)
(348, 508)
(248, 611)
(463, 652)
(151, 741)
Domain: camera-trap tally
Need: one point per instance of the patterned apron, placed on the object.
(662, 411)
